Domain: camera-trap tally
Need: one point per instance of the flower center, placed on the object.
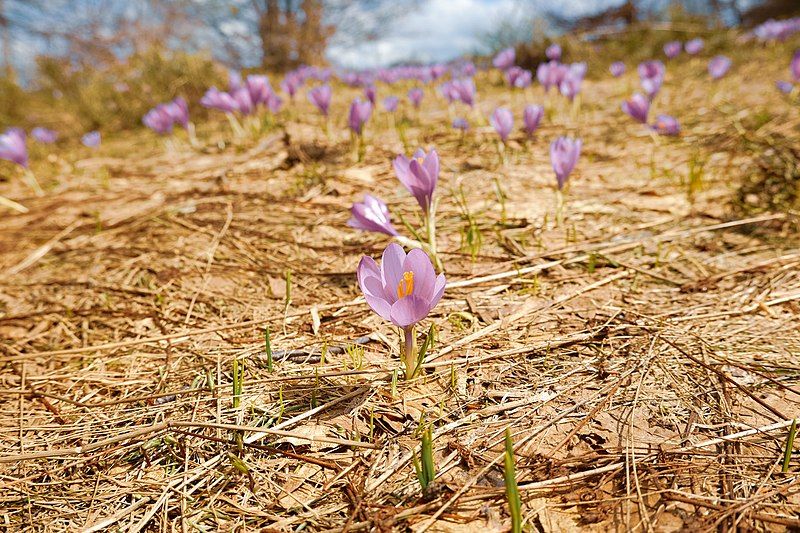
(406, 285)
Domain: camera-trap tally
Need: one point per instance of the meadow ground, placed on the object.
(644, 354)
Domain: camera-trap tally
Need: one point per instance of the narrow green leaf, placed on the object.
(787, 453)
(512, 492)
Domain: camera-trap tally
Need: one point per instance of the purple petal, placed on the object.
(419, 263)
(392, 267)
(409, 310)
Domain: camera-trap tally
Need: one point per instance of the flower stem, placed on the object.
(409, 350)
(430, 225)
(559, 208)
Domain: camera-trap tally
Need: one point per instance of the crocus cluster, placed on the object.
(718, 66)
(777, 30)
(13, 147)
(462, 90)
(243, 98)
(519, 77)
(163, 117)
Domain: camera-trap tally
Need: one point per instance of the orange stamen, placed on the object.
(406, 285)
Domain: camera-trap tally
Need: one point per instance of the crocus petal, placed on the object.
(409, 310)
(418, 262)
(392, 267)
(438, 290)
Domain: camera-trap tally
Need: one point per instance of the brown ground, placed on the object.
(621, 349)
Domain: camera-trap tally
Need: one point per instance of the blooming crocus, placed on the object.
(259, 88)
(637, 107)
(519, 77)
(371, 215)
(794, 66)
(291, 84)
(551, 74)
(672, 49)
(553, 52)
(415, 96)
(617, 69)
(321, 97)
(784, 86)
(91, 139)
(502, 121)
(419, 174)
(158, 120)
(564, 153)
(718, 66)
(234, 80)
(505, 59)
(360, 111)
(666, 125)
(44, 135)
(403, 290)
(460, 123)
(371, 94)
(531, 117)
(178, 110)
(221, 101)
(695, 46)
(13, 148)
(390, 103)
(651, 74)
(570, 86)
(465, 89)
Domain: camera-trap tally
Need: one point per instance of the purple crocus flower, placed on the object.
(564, 153)
(91, 139)
(505, 59)
(419, 174)
(519, 77)
(221, 101)
(390, 103)
(158, 120)
(503, 122)
(44, 135)
(178, 110)
(371, 94)
(553, 52)
(570, 86)
(719, 66)
(244, 104)
(794, 66)
(371, 215)
(321, 97)
(666, 125)
(672, 49)
(551, 74)
(465, 89)
(13, 148)
(531, 117)
(617, 69)
(291, 84)
(415, 96)
(695, 46)
(637, 107)
(460, 123)
(403, 290)
(259, 88)
(360, 111)
(784, 86)
(651, 74)
(234, 81)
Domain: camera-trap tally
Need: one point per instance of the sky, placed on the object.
(439, 30)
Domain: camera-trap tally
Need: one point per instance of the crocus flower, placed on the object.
(371, 215)
(390, 103)
(415, 96)
(719, 66)
(259, 88)
(531, 117)
(564, 153)
(402, 290)
(666, 125)
(505, 59)
(158, 120)
(360, 112)
(460, 123)
(617, 69)
(651, 74)
(570, 86)
(234, 80)
(244, 104)
(91, 139)
(371, 94)
(637, 107)
(551, 74)
(672, 49)
(695, 46)
(553, 52)
(44, 135)
(794, 66)
(178, 110)
(13, 148)
(291, 84)
(419, 174)
(784, 86)
(465, 89)
(502, 121)
(321, 97)
(221, 101)
(519, 77)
